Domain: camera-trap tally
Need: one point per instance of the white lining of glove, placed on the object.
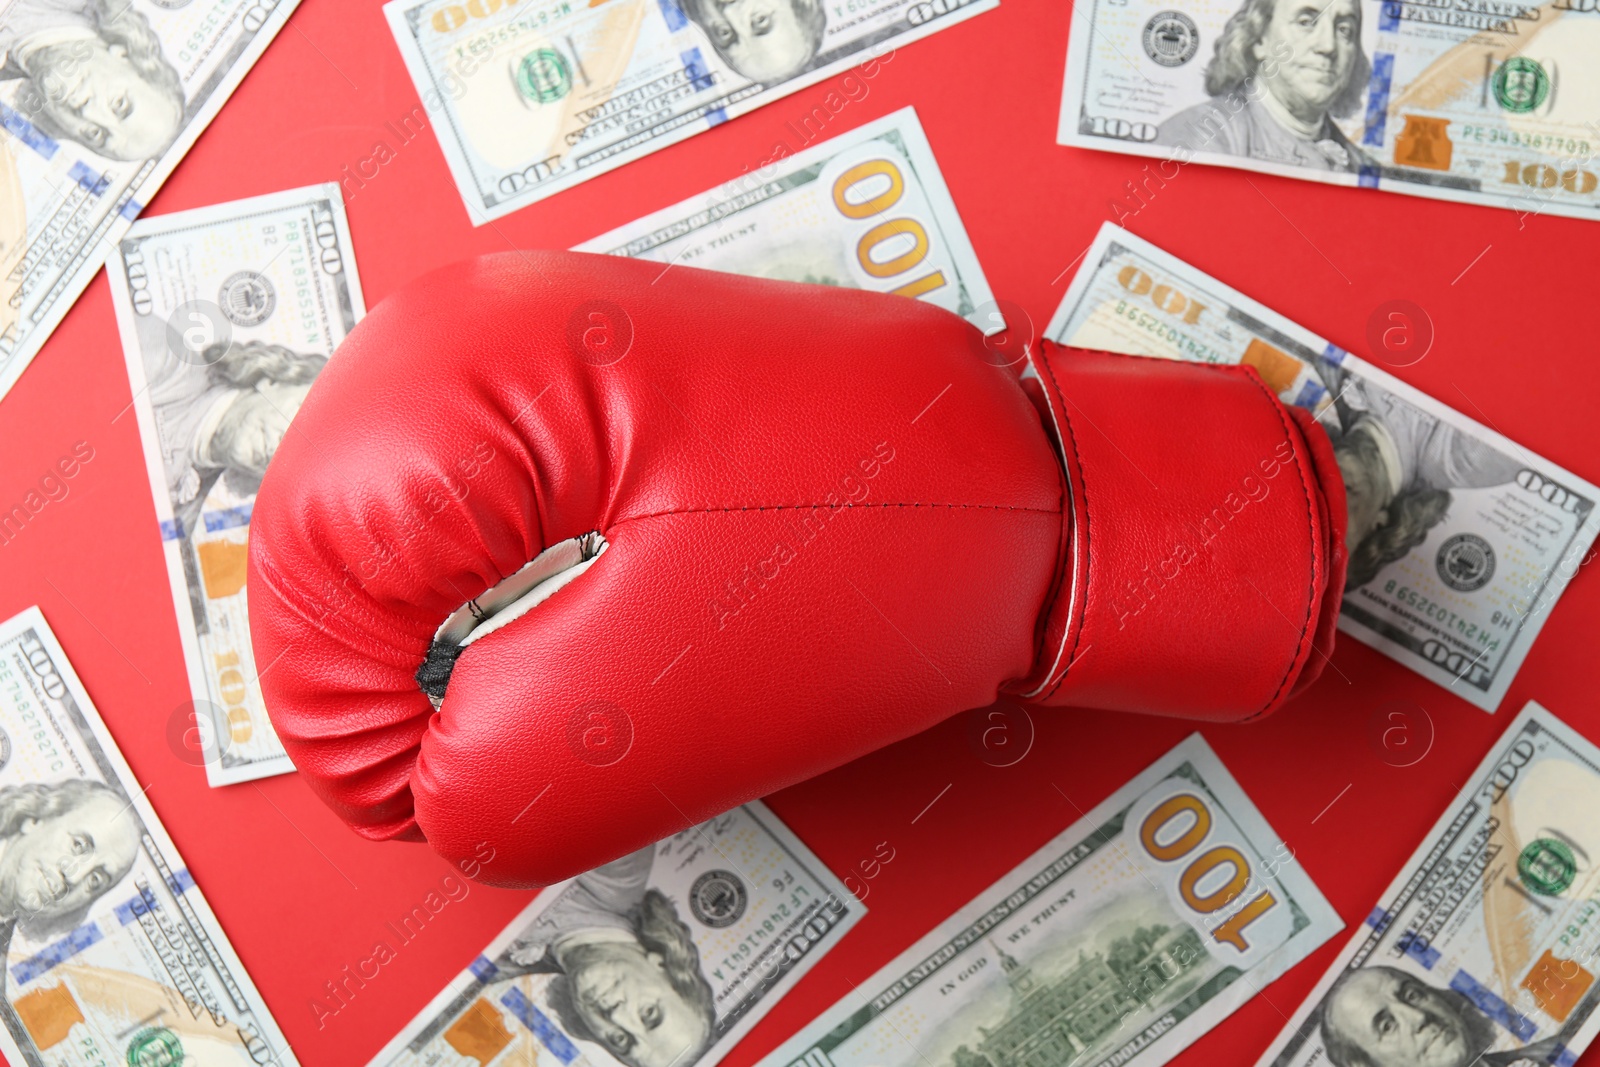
(517, 594)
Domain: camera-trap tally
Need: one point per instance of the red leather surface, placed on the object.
(832, 522)
(1197, 565)
(301, 897)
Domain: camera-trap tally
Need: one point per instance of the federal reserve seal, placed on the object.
(1171, 38)
(718, 898)
(247, 298)
(1547, 866)
(1465, 563)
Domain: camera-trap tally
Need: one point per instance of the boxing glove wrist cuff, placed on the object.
(1183, 612)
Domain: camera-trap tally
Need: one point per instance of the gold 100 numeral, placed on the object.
(1544, 176)
(233, 690)
(1215, 858)
(897, 265)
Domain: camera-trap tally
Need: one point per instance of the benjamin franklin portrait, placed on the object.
(1282, 72)
(1385, 1017)
(1399, 465)
(625, 972)
(767, 41)
(222, 417)
(92, 72)
(63, 845)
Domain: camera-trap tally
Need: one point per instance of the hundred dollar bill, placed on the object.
(100, 99)
(1461, 541)
(1483, 950)
(663, 958)
(112, 954)
(1480, 101)
(866, 210)
(528, 99)
(227, 313)
(1139, 928)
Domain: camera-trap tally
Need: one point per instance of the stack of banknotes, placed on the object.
(1142, 924)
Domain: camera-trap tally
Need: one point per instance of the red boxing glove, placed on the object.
(771, 528)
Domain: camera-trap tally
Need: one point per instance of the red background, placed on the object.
(300, 896)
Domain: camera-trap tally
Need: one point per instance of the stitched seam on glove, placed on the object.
(835, 507)
(1071, 434)
(1289, 673)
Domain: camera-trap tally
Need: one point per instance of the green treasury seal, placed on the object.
(1547, 866)
(1521, 84)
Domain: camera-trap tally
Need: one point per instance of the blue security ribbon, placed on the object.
(55, 953)
(548, 1033)
(1490, 1004)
